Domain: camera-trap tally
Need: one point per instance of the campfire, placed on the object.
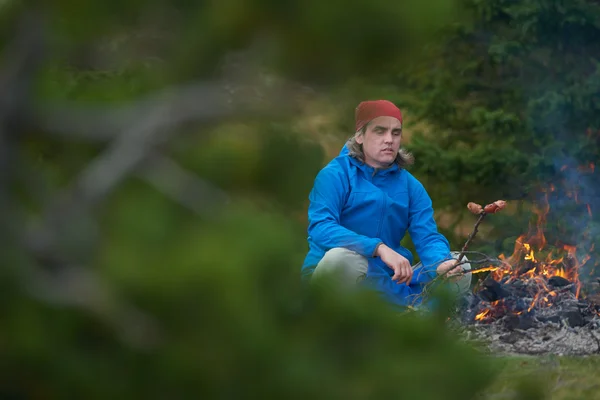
(534, 301)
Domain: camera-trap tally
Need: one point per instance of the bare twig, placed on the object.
(425, 291)
(471, 236)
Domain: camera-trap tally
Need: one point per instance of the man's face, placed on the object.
(381, 141)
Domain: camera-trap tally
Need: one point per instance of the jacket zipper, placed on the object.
(381, 218)
(383, 206)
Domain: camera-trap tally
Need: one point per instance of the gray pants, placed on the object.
(348, 268)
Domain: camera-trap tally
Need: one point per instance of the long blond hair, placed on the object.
(355, 149)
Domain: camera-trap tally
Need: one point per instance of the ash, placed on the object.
(545, 338)
(507, 319)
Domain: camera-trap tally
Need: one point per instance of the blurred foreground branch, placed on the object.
(183, 186)
(135, 135)
(20, 62)
(153, 123)
(202, 103)
(57, 281)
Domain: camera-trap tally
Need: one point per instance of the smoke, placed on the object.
(572, 199)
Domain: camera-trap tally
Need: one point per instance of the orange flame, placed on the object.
(532, 262)
(481, 316)
(486, 269)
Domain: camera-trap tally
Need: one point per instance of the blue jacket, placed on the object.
(354, 206)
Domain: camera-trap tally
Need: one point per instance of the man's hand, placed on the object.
(449, 265)
(403, 271)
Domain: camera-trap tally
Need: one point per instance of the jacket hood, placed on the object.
(345, 151)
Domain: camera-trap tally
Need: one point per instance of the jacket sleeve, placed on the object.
(327, 199)
(431, 246)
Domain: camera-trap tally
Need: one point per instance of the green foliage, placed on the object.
(112, 86)
(562, 378)
(208, 304)
(288, 166)
(266, 158)
(309, 40)
(528, 90)
(231, 319)
(509, 99)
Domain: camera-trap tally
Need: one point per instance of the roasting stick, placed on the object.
(482, 212)
(471, 236)
(477, 209)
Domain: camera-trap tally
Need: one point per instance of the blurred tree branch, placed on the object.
(196, 102)
(183, 186)
(134, 135)
(21, 61)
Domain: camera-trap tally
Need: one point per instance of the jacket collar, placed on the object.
(367, 169)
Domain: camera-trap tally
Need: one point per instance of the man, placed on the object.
(361, 206)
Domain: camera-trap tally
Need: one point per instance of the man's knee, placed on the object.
(345, 264)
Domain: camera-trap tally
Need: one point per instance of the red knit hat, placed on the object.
(368, 110)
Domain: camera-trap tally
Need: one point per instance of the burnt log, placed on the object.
(573, 318)
(527, 266)
(519, 289)
(492, 290)
(551, 318)
(521, 321)
(558, 281)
